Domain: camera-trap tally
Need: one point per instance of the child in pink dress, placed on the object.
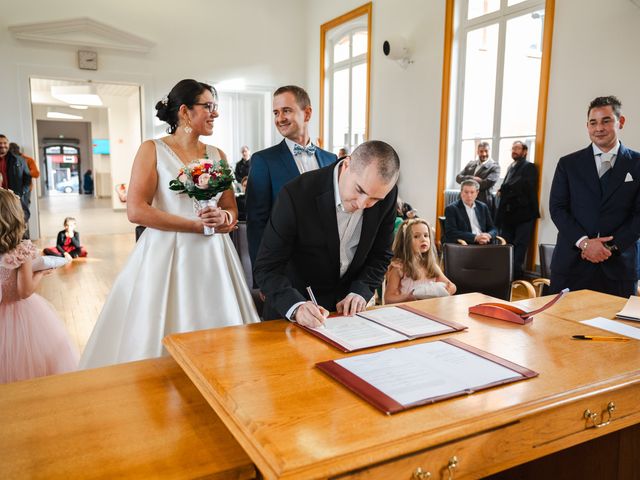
(33, 341)
(414, 272)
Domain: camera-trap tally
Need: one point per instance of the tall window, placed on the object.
(498, 78)
(345, 44)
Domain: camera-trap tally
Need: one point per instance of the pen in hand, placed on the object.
(597, 338)
(315, 302)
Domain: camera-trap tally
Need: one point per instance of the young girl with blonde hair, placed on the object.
(33, 340)
(414, 272)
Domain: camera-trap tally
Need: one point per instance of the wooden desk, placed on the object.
(135, 420)
(295, 422)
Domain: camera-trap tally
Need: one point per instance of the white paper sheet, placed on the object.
(404, 321)
(613, 326)
(355, 332)
(631, 310)
(417, 372)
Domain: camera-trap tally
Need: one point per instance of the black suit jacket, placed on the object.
(518, 201)
(579, 207)
(18, 175)
(457, 224)
(301, 246)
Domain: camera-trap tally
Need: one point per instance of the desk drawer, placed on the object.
(537, 435)
(592, 416)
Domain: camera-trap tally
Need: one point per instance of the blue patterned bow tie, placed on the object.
(309, 149)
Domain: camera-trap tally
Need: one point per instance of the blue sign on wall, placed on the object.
(101, 146)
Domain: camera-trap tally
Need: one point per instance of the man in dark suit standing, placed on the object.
(518, 205)
(15, 175)
(330, 229)
(486, 172)
(468, 219)
(595, 204)
(273, 167)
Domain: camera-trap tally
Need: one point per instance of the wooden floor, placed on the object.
(77, 291)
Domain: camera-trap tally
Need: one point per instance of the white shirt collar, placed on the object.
(336, 190)
(612, 152)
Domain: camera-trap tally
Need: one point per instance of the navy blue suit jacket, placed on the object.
(457, 224)
(579, 207)
(301, 247)
(270, 170)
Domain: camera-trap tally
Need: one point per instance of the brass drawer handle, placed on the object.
(420, 474)
(453, 464)
(593, 417)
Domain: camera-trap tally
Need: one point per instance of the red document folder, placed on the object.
(388, 405)
(509, 312)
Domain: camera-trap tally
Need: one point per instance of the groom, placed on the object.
(275, 166)
(331, 230)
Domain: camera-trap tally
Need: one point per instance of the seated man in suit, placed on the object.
(468, 219)
(331, 230)
(275, 166)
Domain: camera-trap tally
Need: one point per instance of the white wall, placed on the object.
(595, 52)
(275, 42)
(210, 40)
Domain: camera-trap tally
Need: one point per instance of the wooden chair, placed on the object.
(486, 269)
(541, 284)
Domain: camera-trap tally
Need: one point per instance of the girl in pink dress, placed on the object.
(414, 272)
(33, 340)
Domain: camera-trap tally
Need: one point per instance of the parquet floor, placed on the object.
(77, 291)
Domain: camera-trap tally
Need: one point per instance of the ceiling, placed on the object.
(41, 90)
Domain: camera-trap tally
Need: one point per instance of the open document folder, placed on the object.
(511, 313)
(400, 378)
(381, 327)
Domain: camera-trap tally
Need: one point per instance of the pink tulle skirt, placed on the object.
(33, 341)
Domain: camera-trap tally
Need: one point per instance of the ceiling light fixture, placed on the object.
(79, 107)
(64, 116)
(77, 94)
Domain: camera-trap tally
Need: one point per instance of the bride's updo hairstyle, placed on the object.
(185, 92)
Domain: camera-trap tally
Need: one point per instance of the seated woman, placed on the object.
(68, 242)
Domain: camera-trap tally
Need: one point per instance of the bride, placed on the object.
(177, 279)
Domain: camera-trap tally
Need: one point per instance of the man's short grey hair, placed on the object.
(470, 183)
(484, 145)
(382, 153)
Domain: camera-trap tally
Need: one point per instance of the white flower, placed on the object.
(203, 181)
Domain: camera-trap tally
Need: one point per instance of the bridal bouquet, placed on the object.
(203, 180)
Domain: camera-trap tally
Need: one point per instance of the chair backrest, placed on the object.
(546, 252)
(486, 269)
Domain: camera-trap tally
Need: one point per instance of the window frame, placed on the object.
(330, 30)
(450, 92)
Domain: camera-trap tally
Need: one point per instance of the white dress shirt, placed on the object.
(473, 218)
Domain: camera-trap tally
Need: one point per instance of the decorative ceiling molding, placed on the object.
(82, 32)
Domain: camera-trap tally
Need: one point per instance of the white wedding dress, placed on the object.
(172, 282)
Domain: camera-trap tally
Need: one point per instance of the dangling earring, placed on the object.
(188, 129)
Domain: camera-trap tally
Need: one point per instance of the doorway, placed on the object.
(85, 135)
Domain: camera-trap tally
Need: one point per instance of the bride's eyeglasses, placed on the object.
(212, 107)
